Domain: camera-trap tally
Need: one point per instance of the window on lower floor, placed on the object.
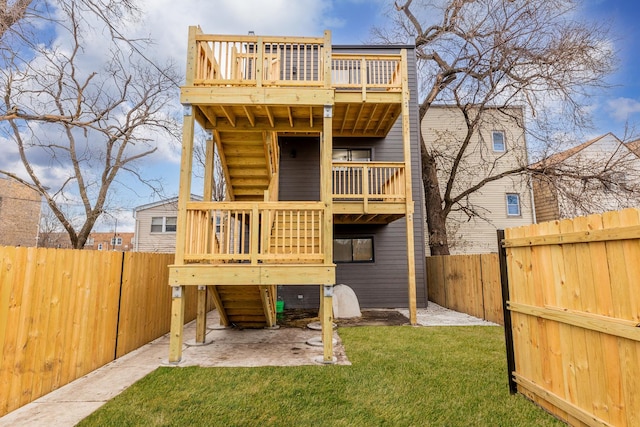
(353, 249)
(513, 204)
(163, 224)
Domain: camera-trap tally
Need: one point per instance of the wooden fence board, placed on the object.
(466, 283)
(576, 324)
(59, 314)
(491, 295)
(435, 280)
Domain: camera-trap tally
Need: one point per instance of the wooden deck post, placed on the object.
(201, 307)
(186, 165)
(177, 324)
(406, 138)
(201, 315)
(326, 196)
(327, 324)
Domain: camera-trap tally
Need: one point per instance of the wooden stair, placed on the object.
(249, 161)
(246, 306)
(245, 157)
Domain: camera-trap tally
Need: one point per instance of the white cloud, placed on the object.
(167, 21)
(621, 108)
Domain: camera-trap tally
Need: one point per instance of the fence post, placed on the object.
(508, 331)
(115, 350)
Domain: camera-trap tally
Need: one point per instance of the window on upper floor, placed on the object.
(90, 241)
(351, 154)
(163, 224)
(497, 140)
(116, 241)
(353, 249)
(513, 204)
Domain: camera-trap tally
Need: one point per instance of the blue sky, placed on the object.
(621, 102)
(350, 21)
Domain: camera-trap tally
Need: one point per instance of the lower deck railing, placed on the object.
(254, 232)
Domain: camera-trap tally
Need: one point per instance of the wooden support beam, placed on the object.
(269, 122)
(290, 114)
(229, 115)
(327, 323)
(177, 324)
(247, 274)
(311, 117)
(344, 119)
(250, 116)
(355, 123)
(270, 115)
(327, 59)
(210, 115)
(406, 138)
(385, 114)
(371, 116)
(201, 315)
(282, 96)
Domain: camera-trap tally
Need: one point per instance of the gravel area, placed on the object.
(435, 315)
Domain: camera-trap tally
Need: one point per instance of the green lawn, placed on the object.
(401, 376)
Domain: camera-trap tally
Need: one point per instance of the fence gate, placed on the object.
(572, 316)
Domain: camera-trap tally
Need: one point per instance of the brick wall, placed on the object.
(19, 214)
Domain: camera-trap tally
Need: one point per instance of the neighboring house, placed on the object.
(155, 228)
(19, 214)
(497, 145)
(319, 148)
(602, 174)
(99, 241)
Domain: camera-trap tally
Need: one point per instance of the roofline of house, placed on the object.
(162, 202)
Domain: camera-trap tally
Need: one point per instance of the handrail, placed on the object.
(258, 60)
(366, 71)
(255, 232)
(267, 61)
(369, 181)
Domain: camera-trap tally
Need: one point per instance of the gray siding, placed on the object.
(299, 169)
(382, 283)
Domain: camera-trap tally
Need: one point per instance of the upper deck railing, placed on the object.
(222, 60)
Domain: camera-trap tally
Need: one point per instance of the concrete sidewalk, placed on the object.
(224, 348)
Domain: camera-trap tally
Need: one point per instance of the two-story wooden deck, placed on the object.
(247, 92)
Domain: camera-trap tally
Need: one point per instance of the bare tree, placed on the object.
(480, 55)
(599, 175)
(91, 127)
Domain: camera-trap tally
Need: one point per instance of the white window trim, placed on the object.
(504, 141)
(510, 215)
(164, 225)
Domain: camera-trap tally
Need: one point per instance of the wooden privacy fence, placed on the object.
(65, 313)
(466, 283)
(574, 298)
